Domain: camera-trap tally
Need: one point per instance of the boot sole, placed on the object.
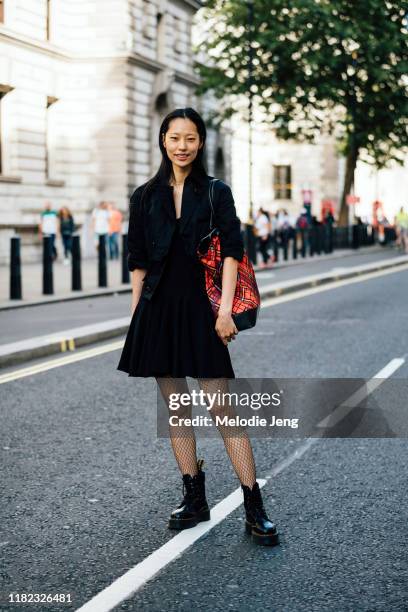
(262, 539)
(187, 523)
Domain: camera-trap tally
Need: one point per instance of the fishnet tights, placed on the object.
(236, 439)
(182, 437)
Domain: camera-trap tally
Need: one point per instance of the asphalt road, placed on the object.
(34, 321)
(88, 487)
(321, 264)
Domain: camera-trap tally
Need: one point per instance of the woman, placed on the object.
(173, 333)
(263, 229)
(67, 228)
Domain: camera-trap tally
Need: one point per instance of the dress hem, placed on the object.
(190, 375)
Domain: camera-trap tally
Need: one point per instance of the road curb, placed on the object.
(66, 298)
(278, 289)
(69, 340)
(61, 342)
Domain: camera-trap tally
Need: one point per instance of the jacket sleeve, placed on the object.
(137, 251)
(228, 222)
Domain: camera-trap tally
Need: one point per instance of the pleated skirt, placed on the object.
(173, 333)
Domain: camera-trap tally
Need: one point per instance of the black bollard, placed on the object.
(125, 269)
(355, 237)
(285, 244)
(325, 238)
(275, 246)
(364, 229)
(319, 245)
(76, 264)
(251, 241)
(312, 240)
(303, 242)
(294, 245)
(15, 269)
(48, 282)
(102, 267)
(330, 237)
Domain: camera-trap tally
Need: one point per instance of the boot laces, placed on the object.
(184, 492)
(188, 491)
(257, 503)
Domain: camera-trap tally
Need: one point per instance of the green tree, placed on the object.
(319, 66)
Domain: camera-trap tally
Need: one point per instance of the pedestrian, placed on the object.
(173, 333)
(284, 227)
(262, 229)
(302, 224)
(67, 228)
(328, 218)
(401, 226)
(100, 223)
(302, 221)
(115, 227)
(48, 226)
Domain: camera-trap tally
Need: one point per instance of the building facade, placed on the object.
(285, 174)
(84, 86)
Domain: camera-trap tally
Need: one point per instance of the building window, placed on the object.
(282, 182)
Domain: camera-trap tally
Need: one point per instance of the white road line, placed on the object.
(297, 453)
(127, 585)
(362, 392)
(61, 361)
(266, 302)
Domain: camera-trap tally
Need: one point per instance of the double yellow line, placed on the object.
(61, 361)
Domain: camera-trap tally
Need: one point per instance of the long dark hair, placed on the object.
(198, 171)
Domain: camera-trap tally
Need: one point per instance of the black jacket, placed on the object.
(152, 223)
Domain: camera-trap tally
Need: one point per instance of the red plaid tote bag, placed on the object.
(246, 302)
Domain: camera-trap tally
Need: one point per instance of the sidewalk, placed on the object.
(32, 278)
(53, 318)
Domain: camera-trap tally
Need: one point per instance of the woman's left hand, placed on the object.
(225, 327)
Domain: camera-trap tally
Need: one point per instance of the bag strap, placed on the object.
(211, 191)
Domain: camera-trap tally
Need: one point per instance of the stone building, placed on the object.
(285, 174)
(84, 85)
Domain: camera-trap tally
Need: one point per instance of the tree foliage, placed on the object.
(319, 66)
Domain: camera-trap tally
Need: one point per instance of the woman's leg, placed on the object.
(236, 439)
(182, 437)
(263, 247)
(65, 242)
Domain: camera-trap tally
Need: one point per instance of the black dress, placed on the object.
(174, 332)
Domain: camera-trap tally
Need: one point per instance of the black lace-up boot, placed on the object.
(194, 508)
(257, 523)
